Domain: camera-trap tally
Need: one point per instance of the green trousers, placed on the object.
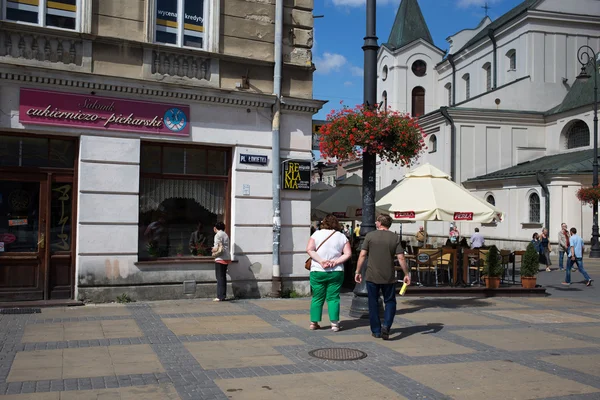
(325, 287)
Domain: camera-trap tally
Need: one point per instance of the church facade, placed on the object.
(503, 112)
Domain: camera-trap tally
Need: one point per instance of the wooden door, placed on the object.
(23, 236)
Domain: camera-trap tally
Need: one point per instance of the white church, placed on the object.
(503, 112)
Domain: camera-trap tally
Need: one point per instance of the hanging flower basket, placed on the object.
(395, 137)
(588, 195)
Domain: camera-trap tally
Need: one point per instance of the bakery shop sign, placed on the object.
(42, 107)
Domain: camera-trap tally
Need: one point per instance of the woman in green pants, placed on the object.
(329, 249)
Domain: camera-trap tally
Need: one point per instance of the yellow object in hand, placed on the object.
(403, 290)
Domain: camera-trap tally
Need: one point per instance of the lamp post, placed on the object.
(360, 304)
(586, 54)
(320, 167)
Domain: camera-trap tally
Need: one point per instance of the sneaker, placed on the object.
(216, 299)
(565, 283)
(385, 333)
(589, 283)
(335, 326)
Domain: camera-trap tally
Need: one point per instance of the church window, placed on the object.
(449, 90)
(512, 60)
(384, 73)
(467, 79)
(418, 101)
(534, 208)
(419, 68)
(432, 144)
(487, 67)
(384, 100)
(490, 199)
(578, 135)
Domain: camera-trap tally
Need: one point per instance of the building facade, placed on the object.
(129, 128)
(502, 110)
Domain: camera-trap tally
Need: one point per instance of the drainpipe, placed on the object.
(541, 178)
(275, 158)
(495, 68)
(444, 111)
(451, 61)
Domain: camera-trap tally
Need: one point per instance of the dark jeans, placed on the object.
(579, 262)
(561, 256)
(389, 299)
(221, 274)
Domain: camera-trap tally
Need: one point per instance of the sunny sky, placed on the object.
(337, 51)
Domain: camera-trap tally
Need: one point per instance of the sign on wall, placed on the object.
(296, 175)
(253, 159)
(42, 107)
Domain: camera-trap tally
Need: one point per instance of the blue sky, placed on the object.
(337, 51)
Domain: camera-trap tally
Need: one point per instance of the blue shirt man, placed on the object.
(576, 256)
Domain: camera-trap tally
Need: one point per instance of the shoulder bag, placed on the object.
(308, 262)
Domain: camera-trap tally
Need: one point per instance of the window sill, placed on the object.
(172, 260)
(530, 225)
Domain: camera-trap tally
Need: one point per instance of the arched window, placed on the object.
(490, 199)
(578, 135)
(467, 79)
(432, 144)
(384, 73)
(534, 207)
(512, 60)
(419, 68)
(384, 99)
(487, 67)
(448, 87)
(418, 101)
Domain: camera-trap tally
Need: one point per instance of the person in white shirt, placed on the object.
(327, 270)
(477, 240)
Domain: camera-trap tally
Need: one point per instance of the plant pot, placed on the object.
(492, 283)
(528, 282)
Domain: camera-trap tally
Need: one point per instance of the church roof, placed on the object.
(502, 20)
(581, 93)
(572, 163)
(409, 26)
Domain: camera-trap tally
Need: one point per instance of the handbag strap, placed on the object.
(332, 233)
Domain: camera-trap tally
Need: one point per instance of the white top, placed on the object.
(332, 249)
(222, 237)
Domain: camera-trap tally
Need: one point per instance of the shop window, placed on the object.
(418, 102)
(36, 152)
(57, 13)
(534, 208)
(183, 193)
(181, 22)
(432, 144)
(487, 67)
(578, 135)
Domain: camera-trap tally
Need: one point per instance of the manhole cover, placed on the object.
(338, 354)
(20, 311)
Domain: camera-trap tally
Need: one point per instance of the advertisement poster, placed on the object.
(296, 175)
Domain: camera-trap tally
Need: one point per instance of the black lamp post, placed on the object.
(320, 167)
(586, 54)
(360, 304)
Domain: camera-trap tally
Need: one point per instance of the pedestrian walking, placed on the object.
(563, 244)
(575, 255)
(220, 252)
(329, 249)
(477, 240)
(381, 246)
(545, 244)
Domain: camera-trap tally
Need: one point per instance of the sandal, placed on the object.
(314, 326)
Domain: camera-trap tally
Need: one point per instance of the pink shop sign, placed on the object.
(41, 107)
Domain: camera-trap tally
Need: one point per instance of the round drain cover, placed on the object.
(338, 354)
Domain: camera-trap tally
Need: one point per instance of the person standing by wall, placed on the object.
(575, 255)
(563, 244)
(545, 244)
(381, 246)
(220, 252)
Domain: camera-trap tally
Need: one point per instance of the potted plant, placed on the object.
(529, 267)
(493, 269)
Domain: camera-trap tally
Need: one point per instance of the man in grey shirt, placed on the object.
(381, 246)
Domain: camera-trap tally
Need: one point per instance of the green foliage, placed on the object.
(493, 267)
(124, 298)
(530, 264)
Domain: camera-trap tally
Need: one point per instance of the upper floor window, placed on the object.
(419, 68)
(384, 73)
(534, 208)
(418, 101)
(448, 87)
(384, 100)
(467, 79)
(578, 135)
(181, 22)
(432, 144)
(490, 199)
(57, 13)
(512, 60)
(487, 67)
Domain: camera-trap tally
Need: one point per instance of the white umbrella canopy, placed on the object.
(337, 201)
(428, 194)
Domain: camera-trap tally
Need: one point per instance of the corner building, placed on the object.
(126, 124)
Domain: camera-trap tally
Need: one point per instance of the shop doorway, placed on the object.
(37, 210)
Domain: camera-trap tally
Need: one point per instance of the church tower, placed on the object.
(406, 63)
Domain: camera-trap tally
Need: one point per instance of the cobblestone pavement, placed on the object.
(517, 348)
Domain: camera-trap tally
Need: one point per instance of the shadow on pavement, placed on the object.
(403, 333)
(444, 304)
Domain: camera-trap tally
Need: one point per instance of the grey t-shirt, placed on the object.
(382, 247)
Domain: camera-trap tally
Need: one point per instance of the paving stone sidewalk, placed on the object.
(523, 348)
